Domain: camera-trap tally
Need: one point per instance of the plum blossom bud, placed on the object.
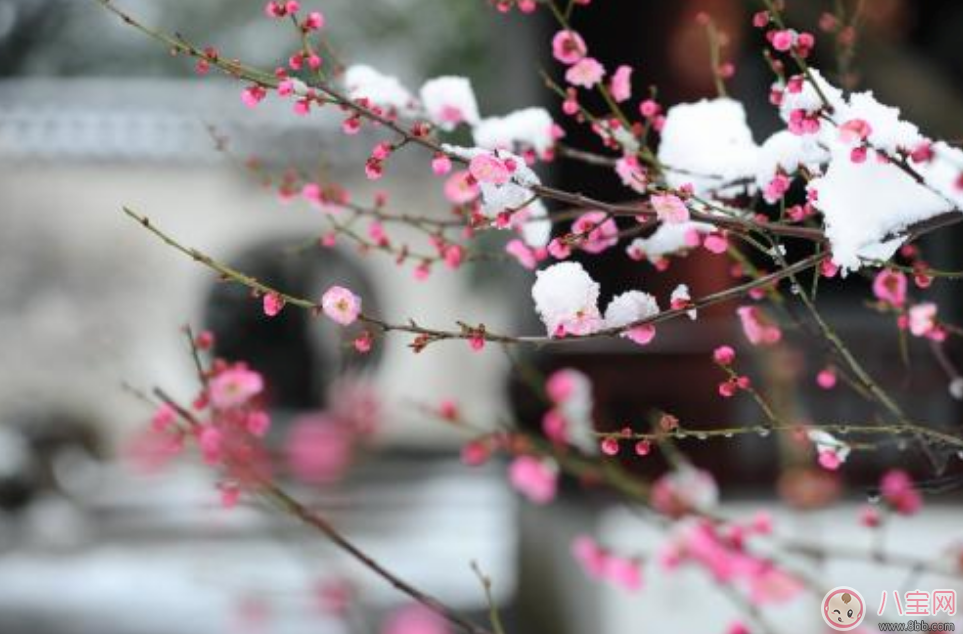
(230, 494)
(869, 517)
(854, 131)
(609, 446)
(363, 342)
(899, 492)
(826, 378)
(760, 19)
(253, 95)
(440, 164)
(724, 355)
(475, 453)
(273, 303)
(716, 243)
(314, 21)
(783, 40)
(649, 108)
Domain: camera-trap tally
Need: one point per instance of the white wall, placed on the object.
(88, 299)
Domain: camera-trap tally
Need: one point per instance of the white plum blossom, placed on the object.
(362, 81)
(517, 131)
(628, 308)
(707, 143)
(449, 101)
(566, 299)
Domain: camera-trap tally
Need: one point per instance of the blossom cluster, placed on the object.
(847, 180)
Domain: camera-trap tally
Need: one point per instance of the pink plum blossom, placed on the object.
(854, 131)
(624, 572)
(776, 188)
(670, 208)
(150, 451)
(631, 173)
(568, 47)
(415, 619)
(592, 557)
(621, 85)
(535, 478)
(599, 230)
(898, 491)
(234, 386)
(460, 188)
(600, 564)
(716, 243)
(525, 255)
(341, 305)
(586, 72)
(164, 417)
(922, 321)
(318, 449)
(890, 287)
(759, 330)
(314, 21)
(475, 453)
(566, 384)
(783, 40)
(566, 298)
(253, 95)
(488, 168)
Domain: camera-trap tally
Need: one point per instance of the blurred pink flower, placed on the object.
(415, 619)
(319, 449)
(890, 287)
(534, 478)
(234, 386)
